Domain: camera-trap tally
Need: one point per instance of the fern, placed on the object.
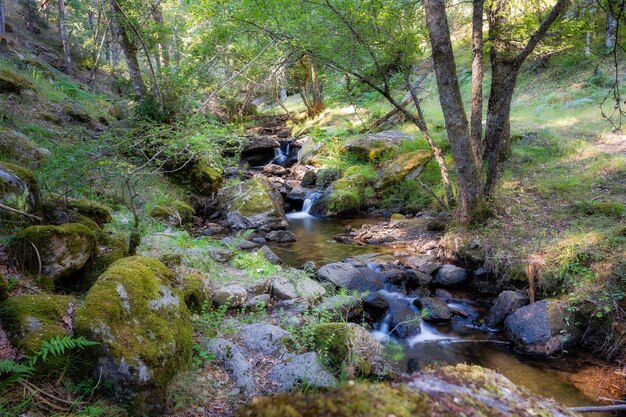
(15, 370)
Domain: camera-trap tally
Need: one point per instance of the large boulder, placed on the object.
(302, 370)
(507, 302)
(371, 147)
(542, 328)
(450, 275)
(258, 150)
(143, 327)
(93, 210)
(231, 296)
(175, 213)
(406, 166)
(229, 356)
(33, 319)
(310, 152)
(345, 275)
(266, 339)
(252, 204)
(460, 390)
(433, 309)
(19, 147)
(54, 251)
(292, 286)
(18, 190)
(111, 247)
(349, 347)
(341, 307)
(345, 196)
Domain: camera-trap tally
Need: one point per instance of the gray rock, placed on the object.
(257, 303)
(369, 350)
(291, 307)
(297, 194)
(270, 256)
(18, 190)
(287, 287)
(429, 267)
(258, 287)
(507, 302)
(433, 309)
(302, 370)
(443, 294)
(344, 275)
(309, 266)
(233, 296)
(542, 328)
(259, 240)
(450, 275)
(19, 147)
(252, 204)
(229, 356)
(237, 243)
(275, 169)
(221, 254)
(376, 301)
(266, 339)
(418, 278)
(308, 179)
(341, 307)
(282, 236)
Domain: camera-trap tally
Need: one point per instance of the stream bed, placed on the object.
(463, 340)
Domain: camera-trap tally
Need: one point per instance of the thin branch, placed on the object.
(20, 212)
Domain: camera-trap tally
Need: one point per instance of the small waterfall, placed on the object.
(280, 156)
(306, 207)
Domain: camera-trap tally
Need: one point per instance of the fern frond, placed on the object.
(9, 366)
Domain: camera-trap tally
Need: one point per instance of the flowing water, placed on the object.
(463, 340)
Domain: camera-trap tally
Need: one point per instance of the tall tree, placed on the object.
(476, 119)
(2, 23)
(472, 204)
(65, 38)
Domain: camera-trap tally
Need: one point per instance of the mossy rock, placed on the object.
(350, 348)
(252, 204)
(98, 212)
(196, 291)
(373, 146)
(33, 319)
(327, 176)
(55, 251)
(450, 391)
(175, 212)
(19, 147)
(112, 246)
(345, 196)
(11, 82)
(58, 213)
(405, 166)
(18, 190)
(204, 178)
(143, 327)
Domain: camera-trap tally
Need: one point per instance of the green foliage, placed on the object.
(255, 264)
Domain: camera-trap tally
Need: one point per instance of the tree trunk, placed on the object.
(65, 39)
(130, 52)
(157, 15)
(29, 15)
(316, 90)
(611, 30)
(2, 24)
(472, 204)
(477, 81)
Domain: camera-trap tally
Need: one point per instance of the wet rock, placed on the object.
(405, 166)
(344, 275)
(229, 356)
(302, 370)
(297, 196)
(507, 302)
(143, 328)
(20, 148)
(308, 179)
(460, 390)
(450, 275)
(252, 204)
(375, 304)
(259, 149)
(433, 309)
(275, 170)
(341, 307)
(542, 328)
(270, 256)
(58, 250)
(288, 286)
(267, 339)
(443, 294)
(405, 321)
(429, 267)
(233, 296)
(417, 278)
(281, 236)
(259, 240)
(351, 348)
(221, 254)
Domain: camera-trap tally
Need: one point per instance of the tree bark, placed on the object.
(476, 119)
(65, 38)
(610, 35)
(2, 24)
(157, 16)
(316, 90)
(472, 204)
(130, 53)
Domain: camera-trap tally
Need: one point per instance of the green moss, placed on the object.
(12, 82)
(32, 319)
(31, 201)
(404, 166)
(333, 340)
(195, 291)
(112, 246)
(185, 210)
(603, 208)
(19, 147)
(97, 212)
(173, 211)
(139, 319)
(253, 197)
(205, 178)
(326, 176)
(349, 194)
(164, 212)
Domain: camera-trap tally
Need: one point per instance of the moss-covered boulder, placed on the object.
(18, 190)
(310, 152)
(405, 166)
(203, 177)
(196, 291)
(11, 82)
(346, 196)
(17, 146)
(459, 390)
(371, 147)
(54, 251)
(351, 348)
(98, 212)
(112, 246)
(252, 204)
(143, 327)
(33, 319)
(175, 212)
(57, 213)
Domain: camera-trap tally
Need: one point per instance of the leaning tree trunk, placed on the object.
(65, 39)
(472, 204)
(477, 81)
(130, 52)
